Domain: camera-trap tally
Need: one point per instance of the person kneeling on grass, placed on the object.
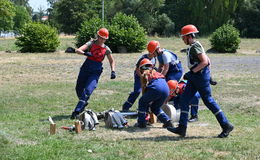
(155, 91)
(137, 83)
(176, 90)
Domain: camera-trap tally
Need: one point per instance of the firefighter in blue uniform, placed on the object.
(198, 80)
(91, 69)
(169, 64)
(155, 93)
(137, 84)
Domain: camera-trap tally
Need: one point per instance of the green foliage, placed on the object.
(36, 37)
(7, 13)
(87, 31)
(145, 11)
(206, 15)
(21, 18)
(164, 26)
(225, 39)
(247, 19)
(70, 14)
(125, 31)
(24, 3)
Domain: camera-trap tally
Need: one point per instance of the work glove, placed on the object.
(187, 75)
(89, 54)
(113, 75)
(212, 82)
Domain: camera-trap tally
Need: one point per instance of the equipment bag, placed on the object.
(114, 119)
(89, 119)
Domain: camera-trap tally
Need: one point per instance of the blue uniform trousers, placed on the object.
(200, 82)
(87, 81)
(194, 104)
(133, 95)
(156, 93)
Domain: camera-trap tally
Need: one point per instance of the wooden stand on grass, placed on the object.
(78, 126)
(153, 118)
(52, 126)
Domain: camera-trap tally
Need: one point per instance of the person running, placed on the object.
(198, 80)
(91, 69)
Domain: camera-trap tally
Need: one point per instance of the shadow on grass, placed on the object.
(60, 117)
(57, 118)
(167, 138)
(132, 129)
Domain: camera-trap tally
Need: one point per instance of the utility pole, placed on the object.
(103, 12)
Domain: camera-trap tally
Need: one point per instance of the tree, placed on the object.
(164, 26)
(37, 16)
(52, 2)
(146, 11)
(7, 13)
(21, 18)
(207, 15)
(24, 3)
(51, 12)
(248, 19)
(70, 14)
(21, 2)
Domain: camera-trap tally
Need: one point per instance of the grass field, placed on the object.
(37, 85)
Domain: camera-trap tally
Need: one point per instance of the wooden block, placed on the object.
(52, 128)
(78, 126)
(152, 119)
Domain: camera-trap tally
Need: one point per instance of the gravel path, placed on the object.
(237, 63)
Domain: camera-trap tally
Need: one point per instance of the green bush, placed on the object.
(225, 39)
(88, 30)
(125, 31)
(164, 26)
(37, 37)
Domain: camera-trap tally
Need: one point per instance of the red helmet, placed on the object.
(173, 85)
(103, 32)
(145, 63)
(188, 29)
(152, 46)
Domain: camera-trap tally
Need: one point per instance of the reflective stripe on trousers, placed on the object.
(200, 82)
(154, 98)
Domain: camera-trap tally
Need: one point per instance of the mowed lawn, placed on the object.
(34, 86)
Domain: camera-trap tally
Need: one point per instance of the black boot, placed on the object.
(74, 115)
(193, 118)
(140, 125)
(180, 130)
(212, 82)
(167, 124)
(226, 129)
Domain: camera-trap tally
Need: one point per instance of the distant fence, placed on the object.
(7, 34)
